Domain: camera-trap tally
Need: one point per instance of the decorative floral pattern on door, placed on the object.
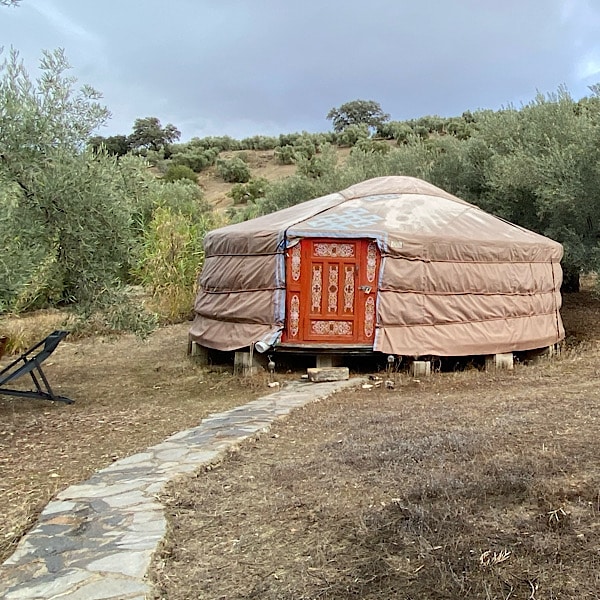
(294, 316)
(333, 288)
(369, 317)
(296, 254)
(372, 261)
(349, 288)
(334, 250)
(317, 287)
(332, 327)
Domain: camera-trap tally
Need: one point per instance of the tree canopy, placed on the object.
(117, 145)
(357, 112)
(148, 133)
(78, 224)
(63, 218)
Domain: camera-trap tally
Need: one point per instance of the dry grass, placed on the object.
(128, 394)
(465, 485)
(22, 332)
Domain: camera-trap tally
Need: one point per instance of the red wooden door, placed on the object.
(331, 291)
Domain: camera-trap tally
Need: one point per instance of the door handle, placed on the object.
(365, 288)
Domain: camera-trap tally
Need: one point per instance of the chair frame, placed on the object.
(32, 365)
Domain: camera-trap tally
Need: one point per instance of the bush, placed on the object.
(306, 147)
(317, 165)
(233, 170)
(221, 144)
(370, 145)
(119, 311)
(242, 193)
(288, 139)
(259, 142)
(179, 196)
(352, 134)
(180, 173)
(195, 158)
(171, 260)
(284, 155)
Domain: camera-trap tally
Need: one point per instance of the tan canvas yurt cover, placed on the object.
(452, 279)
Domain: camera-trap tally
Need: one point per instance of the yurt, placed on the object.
(393, 265)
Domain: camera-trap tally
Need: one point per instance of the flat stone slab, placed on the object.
(328, 373)
(95, 541)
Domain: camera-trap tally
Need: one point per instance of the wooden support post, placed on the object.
(245, 363)
(200, 353)
(499, 361)
(325, 361)
(420, 368)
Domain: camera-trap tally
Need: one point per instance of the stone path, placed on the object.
(96, 540)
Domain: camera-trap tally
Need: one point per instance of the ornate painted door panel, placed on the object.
(331, 291)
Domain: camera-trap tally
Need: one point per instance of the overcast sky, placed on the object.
(246, 67)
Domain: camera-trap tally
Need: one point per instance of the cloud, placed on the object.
(245, 68)
(81, 42)
(62, 22)
(589, 66)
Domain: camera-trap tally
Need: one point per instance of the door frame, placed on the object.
(298, 274)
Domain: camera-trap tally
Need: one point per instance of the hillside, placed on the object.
(262, 163)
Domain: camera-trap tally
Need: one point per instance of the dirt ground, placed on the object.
(373, 494)
(463, 485)
(129, 394)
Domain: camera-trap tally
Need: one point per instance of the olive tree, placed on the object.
(66, 212)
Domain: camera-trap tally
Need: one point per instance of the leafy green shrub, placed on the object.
(180, 173)
(306, 147)
(222, 143)
(317, 165)
(195, 158)
(400, 131)
(172, 259)
(371, 145)
(403, 134)
(259, 142)
(288, 139)
(318, 139)
(282, 194)
(352, 134)
(284, 155)
(119, 311)
(242, 193)
(233, 170)
(179, 196)
(387, 130)
(460, 128)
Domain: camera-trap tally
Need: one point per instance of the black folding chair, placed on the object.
(32, 364)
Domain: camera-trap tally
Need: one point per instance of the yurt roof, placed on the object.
(405, 214)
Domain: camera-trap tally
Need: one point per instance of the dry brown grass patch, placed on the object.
(465, 485)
